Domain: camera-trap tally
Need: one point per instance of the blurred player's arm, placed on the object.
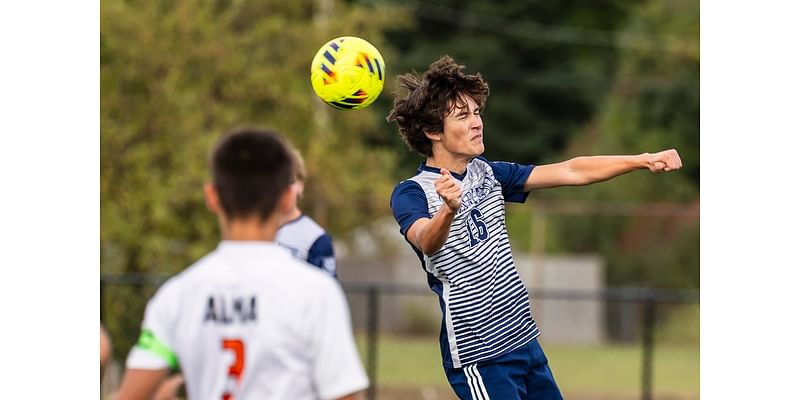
(105, 350)
(168, 390)
(586, 170)
(152, 358)
(141, 384)
(429, 234)
(337, 371)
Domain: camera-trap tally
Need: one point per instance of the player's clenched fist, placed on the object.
(448, 189)
(664, 161)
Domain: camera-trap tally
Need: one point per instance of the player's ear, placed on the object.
(212, 198)
(288, 200)
(434, 136)
(299, 187)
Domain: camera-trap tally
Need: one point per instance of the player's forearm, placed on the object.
(434, 234)
(138, 384)
(591, 169)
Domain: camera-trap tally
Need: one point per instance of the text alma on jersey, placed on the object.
(223, 310)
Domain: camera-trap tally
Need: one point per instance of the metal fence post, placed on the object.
(647, 350)
(372, 341)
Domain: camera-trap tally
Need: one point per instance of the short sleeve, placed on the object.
(408, 204)
(320, 254)
(512, 177)
(337, 370)
(154, 350)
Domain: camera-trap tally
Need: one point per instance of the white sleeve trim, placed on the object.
(142, 359)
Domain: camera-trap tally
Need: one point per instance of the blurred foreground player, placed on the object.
(248, 320)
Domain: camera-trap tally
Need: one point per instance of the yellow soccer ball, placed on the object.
(347, 73)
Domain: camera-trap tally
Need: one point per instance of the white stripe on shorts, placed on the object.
(470, 384)
(475, 382)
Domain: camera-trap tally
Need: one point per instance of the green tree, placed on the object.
(547, 63)
(654, 104)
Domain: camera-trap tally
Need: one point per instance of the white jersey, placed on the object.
(249, 321)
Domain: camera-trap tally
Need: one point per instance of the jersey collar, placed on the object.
(435, 170)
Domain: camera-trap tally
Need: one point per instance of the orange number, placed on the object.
(236, 369)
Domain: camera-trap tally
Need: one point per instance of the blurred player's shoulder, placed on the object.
(299, 233)
(303, 222)
(262, 264)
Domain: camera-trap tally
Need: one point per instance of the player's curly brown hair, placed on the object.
(431, 98)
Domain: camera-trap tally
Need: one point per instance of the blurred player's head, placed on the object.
(299, 170)
(443, 90)
(252, 173)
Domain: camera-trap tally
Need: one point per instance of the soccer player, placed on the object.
(452, 212)
(248, 320)
(302, 235)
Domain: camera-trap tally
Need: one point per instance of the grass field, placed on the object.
(410, 367)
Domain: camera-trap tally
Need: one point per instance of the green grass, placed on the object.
(407, 360)
(617, 369)
(609, 371)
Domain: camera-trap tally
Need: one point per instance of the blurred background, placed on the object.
(613, 269)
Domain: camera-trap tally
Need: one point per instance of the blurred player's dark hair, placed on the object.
(431, 98)
(250, 169)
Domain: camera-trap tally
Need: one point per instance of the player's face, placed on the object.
(463, 130)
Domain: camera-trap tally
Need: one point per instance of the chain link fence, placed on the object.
(638, 343)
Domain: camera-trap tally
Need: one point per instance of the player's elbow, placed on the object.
(575, 174)
(581, 180)
(428, 250)
(429, 247)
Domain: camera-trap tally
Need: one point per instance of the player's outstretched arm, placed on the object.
(429, 235)
(140, 384)
(586, 170)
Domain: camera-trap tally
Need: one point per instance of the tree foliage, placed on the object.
(654, 104)
(174, 76)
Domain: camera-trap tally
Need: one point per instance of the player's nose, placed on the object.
(476, 122)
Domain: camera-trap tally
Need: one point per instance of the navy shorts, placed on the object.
(520, 374)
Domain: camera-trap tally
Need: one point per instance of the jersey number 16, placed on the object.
(475, 223)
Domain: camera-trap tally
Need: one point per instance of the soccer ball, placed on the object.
(347, 73)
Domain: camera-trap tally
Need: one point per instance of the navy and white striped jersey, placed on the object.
(309, 242)
(485, 307)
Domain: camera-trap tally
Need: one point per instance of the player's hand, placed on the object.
(664, 161)
(448, 189)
